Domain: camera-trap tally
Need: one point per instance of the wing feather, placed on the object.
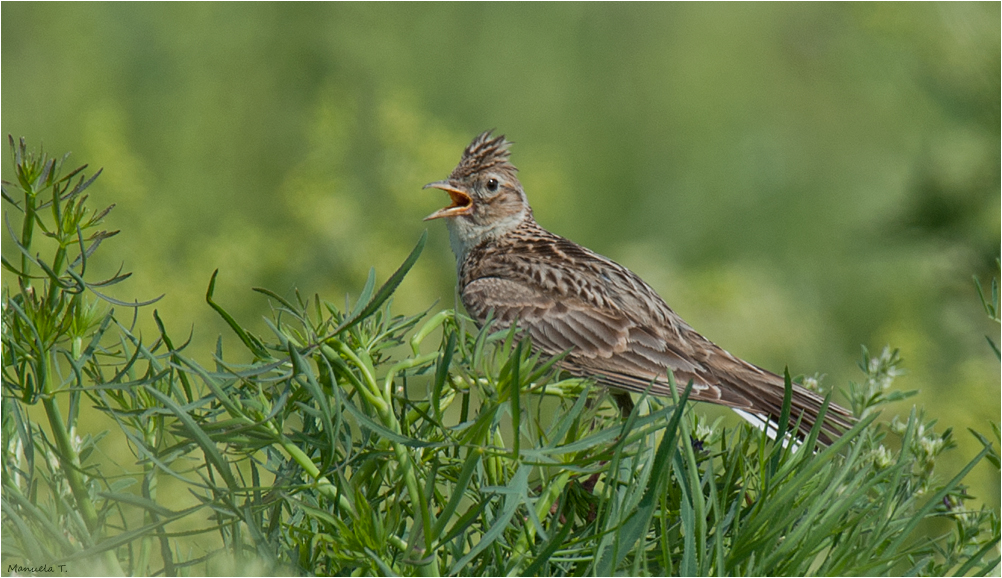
(605, 343)
(617, 329)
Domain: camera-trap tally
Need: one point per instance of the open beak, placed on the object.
(461, 202)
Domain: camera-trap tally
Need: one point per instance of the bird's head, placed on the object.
(487, 199)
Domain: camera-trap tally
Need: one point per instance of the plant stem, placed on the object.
(70, 461)
(383, 405)
(546, 500)
(324, 485)
(27, 231)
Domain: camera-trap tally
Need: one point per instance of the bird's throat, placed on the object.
(466, 233)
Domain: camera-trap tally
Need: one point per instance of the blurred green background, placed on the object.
(797, 180)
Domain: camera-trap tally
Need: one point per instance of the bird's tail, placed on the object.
(805, 412)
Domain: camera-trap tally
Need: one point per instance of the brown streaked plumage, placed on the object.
(567, 298)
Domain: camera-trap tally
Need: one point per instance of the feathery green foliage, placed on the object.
(359, 442)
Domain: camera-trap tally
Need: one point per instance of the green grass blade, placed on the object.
(251, 342)
(462, 483)
(517, 488)
(212, 454)
(637, 524)
(555, 543)
(387, 289)
(516, 405)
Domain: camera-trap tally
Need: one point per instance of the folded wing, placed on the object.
(616, 329)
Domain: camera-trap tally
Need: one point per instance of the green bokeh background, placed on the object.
(797, 180)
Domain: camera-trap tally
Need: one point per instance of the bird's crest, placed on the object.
(482, 154)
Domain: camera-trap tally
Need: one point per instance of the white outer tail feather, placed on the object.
(770, 427)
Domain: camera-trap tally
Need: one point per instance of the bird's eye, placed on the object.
(492, 185)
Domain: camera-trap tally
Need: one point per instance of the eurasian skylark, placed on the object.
(615, 328)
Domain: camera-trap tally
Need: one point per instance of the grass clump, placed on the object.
(352, 441)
